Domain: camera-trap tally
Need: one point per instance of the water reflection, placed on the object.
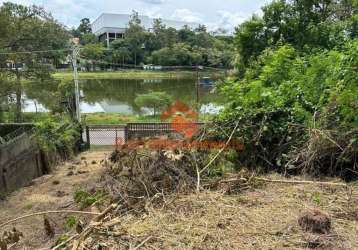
(118, 95)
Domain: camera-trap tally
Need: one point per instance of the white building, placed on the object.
(109, 27)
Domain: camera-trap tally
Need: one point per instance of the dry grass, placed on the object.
(265, 218)
(257, 216)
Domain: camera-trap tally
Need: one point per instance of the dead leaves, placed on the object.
(10, 237)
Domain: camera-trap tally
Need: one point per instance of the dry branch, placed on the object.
(303, 182)
(47, 212)
(221, 150)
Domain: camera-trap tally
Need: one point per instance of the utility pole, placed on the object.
(75, 53)
(197, 88)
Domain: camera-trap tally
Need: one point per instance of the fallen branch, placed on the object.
(47, 212)
(90, 226)
(303, 182)
(142, 243)
(221, 150)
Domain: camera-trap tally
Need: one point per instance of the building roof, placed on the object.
(117, 23)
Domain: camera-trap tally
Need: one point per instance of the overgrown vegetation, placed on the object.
(61, 138)
(294, 97)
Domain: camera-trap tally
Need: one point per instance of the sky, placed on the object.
(225, 14)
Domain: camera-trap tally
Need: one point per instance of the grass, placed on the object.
(132, 74)
(97, 118)
(116, 118)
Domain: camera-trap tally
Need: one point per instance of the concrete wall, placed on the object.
(20, 162)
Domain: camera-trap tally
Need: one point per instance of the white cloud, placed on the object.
(227, 20)
(213, 13)
(187, 16)
(154, 1)
(154, 12)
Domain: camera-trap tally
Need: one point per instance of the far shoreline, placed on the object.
(137, 74)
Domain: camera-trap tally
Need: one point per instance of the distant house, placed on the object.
(109, 27)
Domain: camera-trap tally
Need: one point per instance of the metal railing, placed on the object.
(114, 135)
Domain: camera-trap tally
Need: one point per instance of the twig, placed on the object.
(90, 226)
(221, 150)
(303, 182)
(46, 212)
(142, 243)
(197, 173)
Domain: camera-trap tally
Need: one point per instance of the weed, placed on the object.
(28, 206)
(70, 222)
(316, 198)
(85, 199)
(61, 239)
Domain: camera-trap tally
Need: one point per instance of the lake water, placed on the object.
(118, 95)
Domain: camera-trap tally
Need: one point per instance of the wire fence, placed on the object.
(116, 135)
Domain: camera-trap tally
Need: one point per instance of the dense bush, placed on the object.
(297, 111)
(54, 136)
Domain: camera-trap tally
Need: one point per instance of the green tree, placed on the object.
(121, 52)
(30, 29)
(85, 26)
(153, 100)
(92, 53)
(304, 24)
(135, 37)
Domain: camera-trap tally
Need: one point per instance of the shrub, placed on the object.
(285, 99)
(153, 100)
(53, 136)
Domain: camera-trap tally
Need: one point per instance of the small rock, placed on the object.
(56, 182)
(315, 221)
(60, 193)
(70, 173)
(82, 172)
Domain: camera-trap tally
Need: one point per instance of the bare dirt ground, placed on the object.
(50, 192)
(264, 217)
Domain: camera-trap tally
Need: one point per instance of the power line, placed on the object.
(34, 52)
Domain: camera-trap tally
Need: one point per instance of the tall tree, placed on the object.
(305, 24)
(85, 26)
(30, 29)
(135, 36)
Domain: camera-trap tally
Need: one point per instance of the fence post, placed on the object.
(126, 133)
(116, 141)
(88, 137)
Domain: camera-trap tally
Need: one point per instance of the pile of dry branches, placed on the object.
(328, 152)
(137, 182)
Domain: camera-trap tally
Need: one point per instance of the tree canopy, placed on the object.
(321, 24)
(166, 46)
(29, 29)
